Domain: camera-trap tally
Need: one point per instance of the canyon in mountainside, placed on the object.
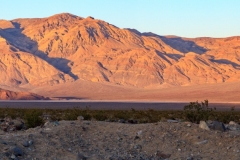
(69, 56)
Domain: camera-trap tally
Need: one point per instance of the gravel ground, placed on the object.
(67, 140)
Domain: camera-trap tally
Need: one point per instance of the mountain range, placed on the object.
(49, 55)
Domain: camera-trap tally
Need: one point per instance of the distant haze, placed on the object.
(215, 18)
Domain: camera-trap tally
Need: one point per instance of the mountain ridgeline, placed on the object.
(64, 48)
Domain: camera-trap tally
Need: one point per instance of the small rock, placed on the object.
(3, 142)
(132, 121)
(121, 121)
(209, 122)
(232, 127)
(13, 157)
(5, 128)
(233, 123)
(189, 125)
(46, 124)
(84, 128)
(25, 144)
(139, 133)
(172, 121)
(5, 148)
(56, 123)
(80, 118)
(119, 139)
(219, 126)
(18, 124)
(30, 136)
(80, 157)
(87, 123)
(136, 137)
(17, 151)
(202, 142)
(162, 155)
(138, 147)
(190, 158)
(30, 142)
(48, 129)
(204, 125)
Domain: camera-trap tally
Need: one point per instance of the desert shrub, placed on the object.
(195, 111)
(227, 116)
(99, 116)
(121, 115)
(86, 116)
(32, 118)
(70, 114)
(11, 113)
(55, 115)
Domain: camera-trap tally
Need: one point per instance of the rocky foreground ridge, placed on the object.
(82, 139)
(66, 48)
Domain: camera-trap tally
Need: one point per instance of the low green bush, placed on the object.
(32, 118)
(195, 111)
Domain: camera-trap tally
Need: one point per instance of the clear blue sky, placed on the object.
(187, 18)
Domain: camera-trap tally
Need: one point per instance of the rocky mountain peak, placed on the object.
(64, 17)
(94, 50)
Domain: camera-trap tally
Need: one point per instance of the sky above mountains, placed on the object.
(215, 18)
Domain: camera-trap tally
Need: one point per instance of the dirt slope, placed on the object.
(103, 140)
(10, 95)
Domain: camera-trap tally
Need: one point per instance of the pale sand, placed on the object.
(215, 93)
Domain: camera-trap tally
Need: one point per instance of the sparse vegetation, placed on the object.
(33, 118)
(194, 112)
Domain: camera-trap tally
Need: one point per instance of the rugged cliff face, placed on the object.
(64, 47)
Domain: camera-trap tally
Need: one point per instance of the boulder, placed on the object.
(219, 126)
(17, 151)
(80, 118)
(233, 123)
(204, 125)
(18, 124)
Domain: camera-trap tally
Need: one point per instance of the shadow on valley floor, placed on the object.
(179, 43)
(23, 43)
(70, 98)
